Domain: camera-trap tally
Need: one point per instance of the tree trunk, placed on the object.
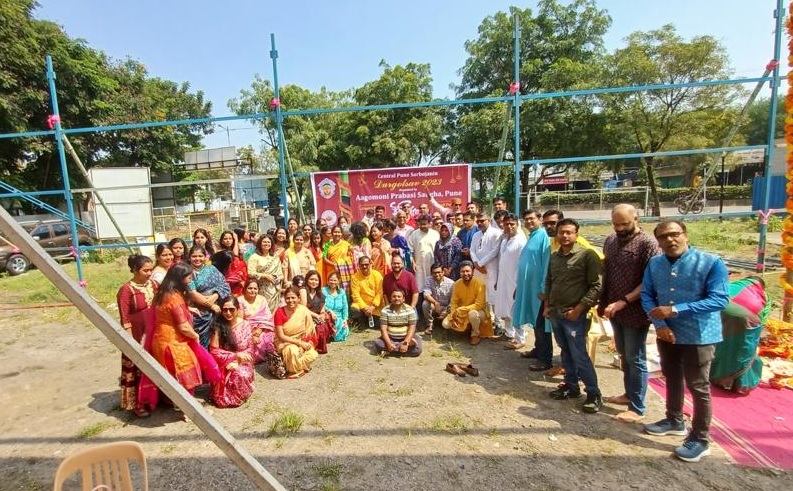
(648, 164)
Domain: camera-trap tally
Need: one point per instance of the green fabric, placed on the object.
(736, 366)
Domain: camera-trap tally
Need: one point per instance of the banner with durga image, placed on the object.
(352, 193)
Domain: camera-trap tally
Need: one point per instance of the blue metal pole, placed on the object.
(779, 14)
(67, 190)
(279, 126)
(516, 105)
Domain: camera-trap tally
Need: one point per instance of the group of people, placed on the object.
(210, 312)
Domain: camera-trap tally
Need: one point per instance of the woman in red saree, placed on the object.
(134, 298)
(232, 346)
(237, 272)
(294, 327)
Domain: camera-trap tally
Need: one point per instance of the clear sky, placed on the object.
(217, 46)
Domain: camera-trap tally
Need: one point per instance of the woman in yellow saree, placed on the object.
(294, 329)
(339, 258)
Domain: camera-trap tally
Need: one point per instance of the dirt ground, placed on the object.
(367, 423)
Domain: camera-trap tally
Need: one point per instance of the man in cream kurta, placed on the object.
(484, 254)
(422, 244)
(512, 244)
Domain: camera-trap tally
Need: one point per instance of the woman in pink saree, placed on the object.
(254, 309)
(232, 346)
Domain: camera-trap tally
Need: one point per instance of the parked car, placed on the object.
(12, 260)
(56, 238)
(53, 235)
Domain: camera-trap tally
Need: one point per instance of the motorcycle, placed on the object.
(685, 203)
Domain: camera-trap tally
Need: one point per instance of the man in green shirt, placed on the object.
(573, 287)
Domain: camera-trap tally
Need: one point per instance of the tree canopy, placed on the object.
(93, 90)
(658, 119)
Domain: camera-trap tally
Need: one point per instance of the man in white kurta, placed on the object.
(484, 254)
(512, 244)
(422, 244)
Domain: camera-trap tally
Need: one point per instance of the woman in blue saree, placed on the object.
(206, 288)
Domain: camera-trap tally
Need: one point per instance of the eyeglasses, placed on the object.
(228, 309)
(669, 235)
(549, 223)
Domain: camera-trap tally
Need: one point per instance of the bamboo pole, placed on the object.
(110, 327)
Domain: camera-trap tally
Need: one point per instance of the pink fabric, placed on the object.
(755, 430)
(235, 386)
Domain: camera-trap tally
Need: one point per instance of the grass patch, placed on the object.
(102, 283)
(455, 353)
(94, 430)
(403, 391)
(454, 425)
(259, 416)
(330, 473)
(328, 470)
(287, 422)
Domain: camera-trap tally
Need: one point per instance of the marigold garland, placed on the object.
(787, 235)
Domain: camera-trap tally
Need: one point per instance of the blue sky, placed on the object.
(219, 46)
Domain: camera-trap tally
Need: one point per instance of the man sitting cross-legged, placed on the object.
(468, 306)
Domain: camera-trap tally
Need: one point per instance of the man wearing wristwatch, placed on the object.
(683, 293)
(627, 252)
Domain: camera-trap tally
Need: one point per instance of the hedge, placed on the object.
(668, 195)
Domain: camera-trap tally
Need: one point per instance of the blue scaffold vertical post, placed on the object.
(55, 120)
(779, 15)
(516, 104)
(279, 125)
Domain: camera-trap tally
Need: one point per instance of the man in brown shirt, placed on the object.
(627, 251)
(573, 287)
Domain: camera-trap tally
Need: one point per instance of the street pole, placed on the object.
(721, 197)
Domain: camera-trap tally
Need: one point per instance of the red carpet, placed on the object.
(755, 430)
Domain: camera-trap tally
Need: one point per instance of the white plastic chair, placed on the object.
(104, 467)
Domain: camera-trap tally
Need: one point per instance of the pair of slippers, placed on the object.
(462, 369)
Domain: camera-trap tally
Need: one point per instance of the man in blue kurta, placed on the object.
(532, 270)
(683, 293)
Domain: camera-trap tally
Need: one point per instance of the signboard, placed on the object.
(130, 207)
(352, 193)
(210, 159)
(550, 181)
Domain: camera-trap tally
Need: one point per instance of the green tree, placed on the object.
(561, 49)
(387, 138)
(92, 91)
(755, 127)
(658, 119)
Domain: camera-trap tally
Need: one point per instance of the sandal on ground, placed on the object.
(455, 369)
(514, 346)
(621, 400)
(142, 413)
(629, 417)
(554, 371)
(475, 340)
(469, 369)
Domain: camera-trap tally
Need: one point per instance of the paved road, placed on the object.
(605, 213)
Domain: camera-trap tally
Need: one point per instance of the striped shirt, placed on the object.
(397, 321)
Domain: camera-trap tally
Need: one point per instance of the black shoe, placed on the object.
(564, 391)
(539, 367)
(531, 354)
(592, 404)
